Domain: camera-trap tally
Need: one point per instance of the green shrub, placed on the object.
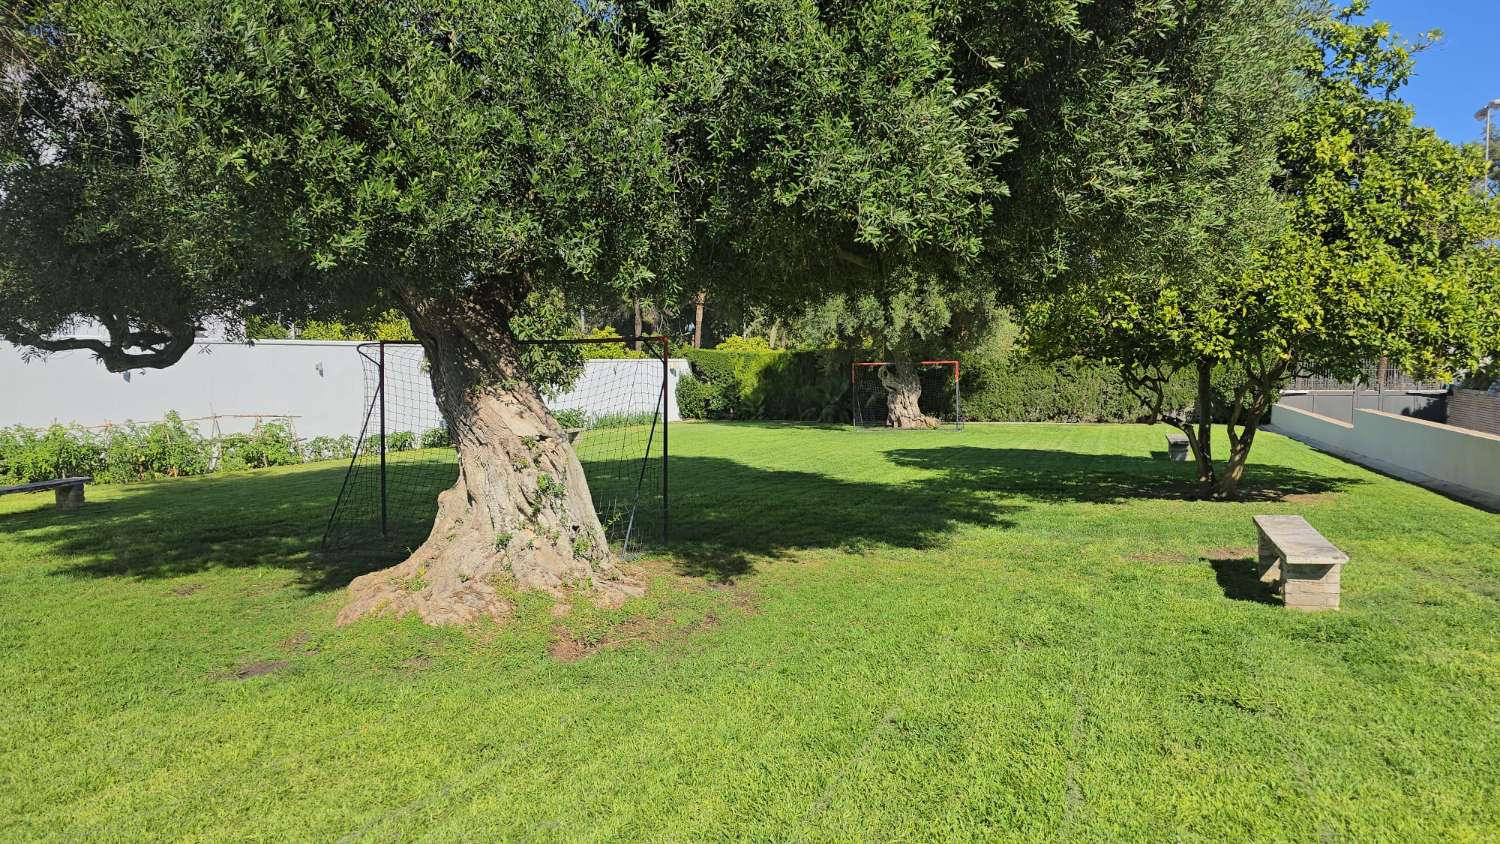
(436, 438)
(607, 350)
(698, 399)
(569, 418)
(328, 448)
(621, 420)
(267, 444)
(170, 448)
(813, 386)
(58, 452)
(802, 385)
(400, 441)
(736, 343)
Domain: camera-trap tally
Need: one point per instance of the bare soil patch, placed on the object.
(187, 589)
(416, 663)
(259, 668)
(1310, 497)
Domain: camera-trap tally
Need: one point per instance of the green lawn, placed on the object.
(1010, 633)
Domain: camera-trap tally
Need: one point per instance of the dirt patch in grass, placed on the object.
(416, 663)
(187, 589)
(300, 642)
(259, 668)
(568, 647)
(1310, 497)
(1230, 553)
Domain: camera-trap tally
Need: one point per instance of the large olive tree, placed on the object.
(472, 165)
(478, 166)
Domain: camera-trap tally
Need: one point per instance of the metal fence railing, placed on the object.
(1374, 376)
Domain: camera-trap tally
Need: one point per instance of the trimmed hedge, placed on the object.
(814, 386)
(811, 386)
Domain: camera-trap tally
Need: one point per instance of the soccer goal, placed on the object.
(614, 410)
(939, 405)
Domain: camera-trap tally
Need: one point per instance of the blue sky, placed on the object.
(1458, 74)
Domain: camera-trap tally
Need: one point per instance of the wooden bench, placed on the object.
(1299, 560)
(1177, 447)
(69, 490)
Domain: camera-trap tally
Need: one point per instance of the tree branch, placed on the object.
(158, 349)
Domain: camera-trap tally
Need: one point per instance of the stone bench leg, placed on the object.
(1269, 566)
(69, 497)
(1312, 588)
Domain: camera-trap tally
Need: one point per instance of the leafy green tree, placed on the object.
(472, 165)
(478, 166)
(468, 164)
(902, 325)
(1386, 252)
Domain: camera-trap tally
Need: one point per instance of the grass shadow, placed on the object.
(724, 514)
(1056, 476)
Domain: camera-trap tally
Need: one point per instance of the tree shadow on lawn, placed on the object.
(724, 514)
(1055, 476)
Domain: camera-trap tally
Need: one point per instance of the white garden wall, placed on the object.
(318, 384)
(1457, 461)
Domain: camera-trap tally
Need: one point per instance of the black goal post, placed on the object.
(941, 399)
(615, 411)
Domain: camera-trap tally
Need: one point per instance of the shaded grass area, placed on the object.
(1006, 633)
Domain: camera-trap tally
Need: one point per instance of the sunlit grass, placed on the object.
(1010, 632)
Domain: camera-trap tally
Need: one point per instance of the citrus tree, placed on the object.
(1385, 251)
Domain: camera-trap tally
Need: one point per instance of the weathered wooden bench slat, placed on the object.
(1304, 563)
(69, 490)
(43, 486)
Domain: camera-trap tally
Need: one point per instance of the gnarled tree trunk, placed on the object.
(903, 390)
(520, 513)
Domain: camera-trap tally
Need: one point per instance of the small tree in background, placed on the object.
(902, 325)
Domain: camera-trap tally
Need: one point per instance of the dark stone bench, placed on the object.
(69, 490)
(1299, 560)
(1177, 447)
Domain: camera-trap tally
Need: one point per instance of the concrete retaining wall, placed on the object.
(1341, 404)
(1455, 461)
(318, 384)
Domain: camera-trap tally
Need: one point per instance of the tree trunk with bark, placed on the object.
(903, 392)
(637, 303)
(1204, 410)
(1251, 401)
(520, 513)
(698, 320)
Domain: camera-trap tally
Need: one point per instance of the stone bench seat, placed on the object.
(1177, 447)
(69, 490)
(1299, 560)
